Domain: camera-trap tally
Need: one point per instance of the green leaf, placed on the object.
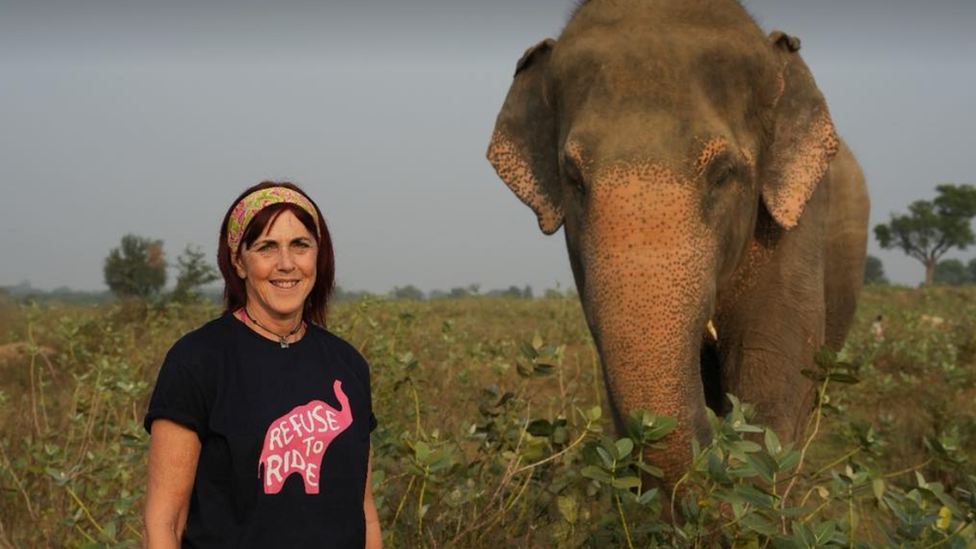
(789, 461)
(944, 520)
(443, 463)
(825, 356)
(421, 450)
(717, 470)
(651, 470)
(108, 531)
(761, 466)
(567, 508)
(595, 413)
(505, 398)
(878, 488)
(605, 456)
(624, 447)
(810, 374)
(848, 379)
(747, 446)
(647, 496)
(626, 482)
(755, 496)
(780, 542)
(802, 535)
(660, 427)
(540, 428)
(759, 524)
(59, 476)
(825, 532)
(921, 480)
(560, 435)
(528, 351)
(595, 473)
(541, 369)
(772, 443)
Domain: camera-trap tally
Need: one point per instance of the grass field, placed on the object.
(494, 431)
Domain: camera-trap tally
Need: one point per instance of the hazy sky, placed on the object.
(150, 117)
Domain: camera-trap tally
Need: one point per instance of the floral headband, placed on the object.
(250, 205)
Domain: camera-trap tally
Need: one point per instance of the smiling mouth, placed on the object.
(285, 284)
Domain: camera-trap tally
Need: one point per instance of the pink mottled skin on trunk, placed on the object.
(646, 256)
(296, 442)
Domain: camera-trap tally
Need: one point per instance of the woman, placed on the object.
(260, 419)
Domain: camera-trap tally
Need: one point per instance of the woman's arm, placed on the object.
(374, 538)
(173, 454)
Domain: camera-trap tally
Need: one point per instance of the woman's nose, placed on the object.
(285, 261)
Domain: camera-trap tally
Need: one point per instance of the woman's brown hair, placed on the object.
(235, 294)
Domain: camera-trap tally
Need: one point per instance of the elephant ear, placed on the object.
(803, 140)
(523, 146)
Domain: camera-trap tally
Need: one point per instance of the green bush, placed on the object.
(494, 432)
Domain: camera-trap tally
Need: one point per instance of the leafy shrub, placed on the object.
(493, 431)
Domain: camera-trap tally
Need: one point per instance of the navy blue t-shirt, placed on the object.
(284, 434)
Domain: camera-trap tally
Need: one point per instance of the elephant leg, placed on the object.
(765, 370)
(775, 326)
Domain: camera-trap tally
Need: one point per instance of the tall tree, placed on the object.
(137, 268)
(932, 228)
(874, 271)
(194, 273)
(972, 269)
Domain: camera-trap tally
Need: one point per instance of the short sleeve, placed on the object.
(352, 356)
(177, 397)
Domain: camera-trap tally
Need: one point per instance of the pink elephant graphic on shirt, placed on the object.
(296, 442)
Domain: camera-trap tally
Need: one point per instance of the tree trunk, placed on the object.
(930, 272)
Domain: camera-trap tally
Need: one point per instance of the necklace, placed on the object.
(282, 339)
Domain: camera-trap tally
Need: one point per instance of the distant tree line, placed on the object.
(24, 291)
(137, 268)
(472, 290)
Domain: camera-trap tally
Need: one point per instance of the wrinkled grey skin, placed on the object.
(693, 162)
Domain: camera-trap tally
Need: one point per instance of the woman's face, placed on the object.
(279, 268)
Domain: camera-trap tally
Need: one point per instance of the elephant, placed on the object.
(296, 442)
(716, 225)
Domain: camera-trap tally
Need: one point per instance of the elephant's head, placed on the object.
(657, 133)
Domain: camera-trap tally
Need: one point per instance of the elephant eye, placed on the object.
(722, 173)
(575, 179)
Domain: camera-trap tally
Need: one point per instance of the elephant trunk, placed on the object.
(649, 346)
(647, 296)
